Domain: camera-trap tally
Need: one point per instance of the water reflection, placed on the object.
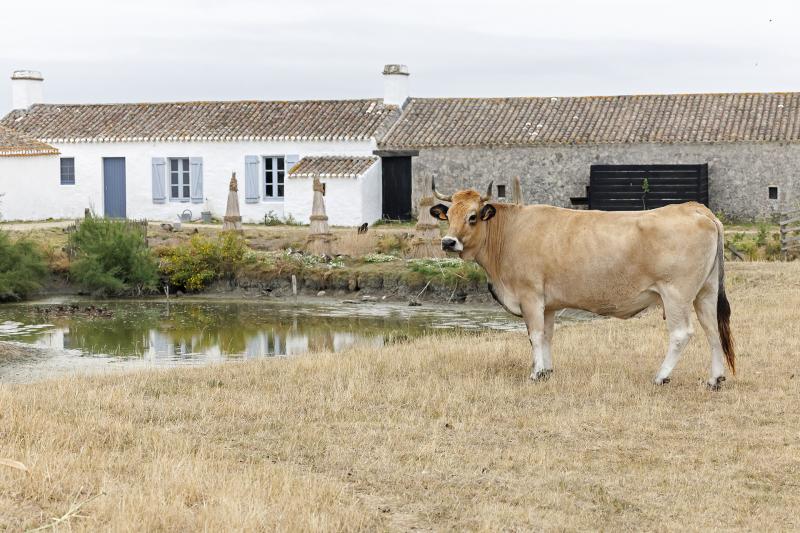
(176, 332)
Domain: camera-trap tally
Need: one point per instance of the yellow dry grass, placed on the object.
(442, 433)
(354, 244)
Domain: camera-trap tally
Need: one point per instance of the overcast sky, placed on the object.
(165, 50)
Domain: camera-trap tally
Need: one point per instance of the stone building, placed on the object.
(748, 141)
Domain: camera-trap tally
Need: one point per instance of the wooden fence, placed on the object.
(790, 234)
(638, 187)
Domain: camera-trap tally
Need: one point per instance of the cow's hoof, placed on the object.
(661, 381)
(542, 375)
(715, 384)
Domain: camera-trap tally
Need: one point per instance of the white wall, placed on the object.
(372, 194)
(37, 193)
(31, 190)
(348, 201)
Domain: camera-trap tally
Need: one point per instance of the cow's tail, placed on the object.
(723, 306)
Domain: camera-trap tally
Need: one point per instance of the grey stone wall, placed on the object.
(739, 174)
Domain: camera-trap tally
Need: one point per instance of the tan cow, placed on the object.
(540, 259)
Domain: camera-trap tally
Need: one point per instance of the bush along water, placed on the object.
(196, 264)
(22, 268)
(762, 245)
(111, 257)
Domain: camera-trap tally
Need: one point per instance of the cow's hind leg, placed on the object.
(679, 323)
(705, 305)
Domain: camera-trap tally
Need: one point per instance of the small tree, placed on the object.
(112, 257)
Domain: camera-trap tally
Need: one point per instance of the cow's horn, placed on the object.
(488, 193)
(437, 194)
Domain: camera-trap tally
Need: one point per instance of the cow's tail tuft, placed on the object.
(723, 306)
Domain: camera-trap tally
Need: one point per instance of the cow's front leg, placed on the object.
(549, 326)
(533, 313)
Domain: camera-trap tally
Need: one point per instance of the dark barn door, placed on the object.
(114, 187)
(637, 187)
(396, 187)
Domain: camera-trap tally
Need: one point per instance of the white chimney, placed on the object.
(395, 85)
(26, 88)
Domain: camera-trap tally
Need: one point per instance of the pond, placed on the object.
(84, 336)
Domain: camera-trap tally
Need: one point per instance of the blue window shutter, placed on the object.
(252, 188)
(290, 161)
(196, 179)
(159, 180)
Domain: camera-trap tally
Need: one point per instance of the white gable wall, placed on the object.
(348, 201)
(38, 197)
(29, 184)
(372, 194)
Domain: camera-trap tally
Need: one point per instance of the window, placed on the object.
(501, 191)
(773, 193)
(274, 174)
(67, 171)
(179, 179)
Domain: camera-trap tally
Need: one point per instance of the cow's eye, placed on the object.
(473, 218)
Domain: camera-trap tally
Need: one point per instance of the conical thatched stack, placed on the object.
(427, 238)
(516, 194)
(319, 238)
(233, 219)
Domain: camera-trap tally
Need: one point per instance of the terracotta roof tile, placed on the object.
(14, 143)
(670, 118)
(331, 167)
(320, 120)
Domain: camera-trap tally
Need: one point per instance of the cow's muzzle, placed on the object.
(449, 244)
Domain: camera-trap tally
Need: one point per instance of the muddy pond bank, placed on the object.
(359, 285)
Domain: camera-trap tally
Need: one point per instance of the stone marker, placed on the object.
(232, 220)
(319, 238)
(427, 238)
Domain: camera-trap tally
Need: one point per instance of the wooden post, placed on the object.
(790, 233)
(516, 195)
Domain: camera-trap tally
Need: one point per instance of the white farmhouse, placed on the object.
(156, 160)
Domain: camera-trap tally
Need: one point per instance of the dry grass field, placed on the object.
(443, 433)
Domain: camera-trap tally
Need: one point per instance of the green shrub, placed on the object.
(773, 249)
(22, 268)
(763, 232)
(749, 249)
(448, 269)
(272, 219)
(112, 257)
(196, 264)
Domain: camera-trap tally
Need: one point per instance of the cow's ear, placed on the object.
(439, 211)
(487, 212)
